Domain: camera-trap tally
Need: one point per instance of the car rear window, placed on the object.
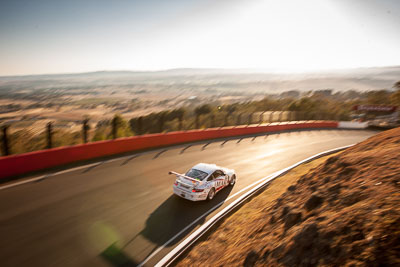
(196, 174)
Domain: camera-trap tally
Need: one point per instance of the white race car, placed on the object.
(203, 181)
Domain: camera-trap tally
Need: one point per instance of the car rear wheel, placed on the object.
(211, 194)
(233, 180)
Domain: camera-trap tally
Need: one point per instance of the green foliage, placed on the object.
(318, 105)
(395, 97)
(123, 127)
(103, 129)
(320, 108)
(397, 85)
(65, 138)
(304, 104)
(99, 135)
(145, 124)
(24, 141)
(204, 109)
(175, 114)
(380, 97)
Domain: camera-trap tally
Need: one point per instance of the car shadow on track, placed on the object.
(175, 214)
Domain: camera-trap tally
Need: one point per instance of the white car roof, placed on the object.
(205, 167)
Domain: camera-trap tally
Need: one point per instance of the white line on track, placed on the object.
(264, 179)
(201, 217)
(129, 156)
(45, 176)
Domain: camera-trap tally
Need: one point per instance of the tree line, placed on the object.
(323, 104)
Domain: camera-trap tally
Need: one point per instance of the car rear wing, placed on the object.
(184, 176)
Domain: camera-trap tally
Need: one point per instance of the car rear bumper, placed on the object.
(189, 195)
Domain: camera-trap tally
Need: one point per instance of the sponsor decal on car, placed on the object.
(202, 181)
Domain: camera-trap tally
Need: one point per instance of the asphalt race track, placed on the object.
(123, 210)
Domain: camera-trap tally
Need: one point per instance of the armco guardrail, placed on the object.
(352, 125)
(192, 238)
(34, 161)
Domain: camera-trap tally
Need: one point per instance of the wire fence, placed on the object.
(28, 140)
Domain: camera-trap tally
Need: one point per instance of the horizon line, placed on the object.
(248, 70)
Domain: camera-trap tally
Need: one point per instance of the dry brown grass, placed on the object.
(341, 210)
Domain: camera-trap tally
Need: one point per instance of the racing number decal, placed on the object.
(219, 184)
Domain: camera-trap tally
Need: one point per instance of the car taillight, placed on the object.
(195, 190)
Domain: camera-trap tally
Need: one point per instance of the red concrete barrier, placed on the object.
(24, 163)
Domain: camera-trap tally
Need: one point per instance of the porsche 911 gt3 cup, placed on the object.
(203, 181)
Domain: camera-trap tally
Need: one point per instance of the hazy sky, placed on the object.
(51, 36)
